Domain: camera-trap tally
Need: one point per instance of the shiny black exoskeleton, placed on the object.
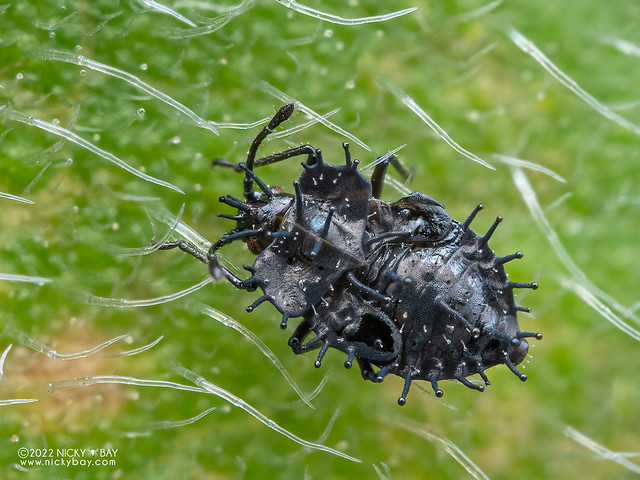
(400, 286)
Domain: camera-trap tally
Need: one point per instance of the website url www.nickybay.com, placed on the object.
(67, 462)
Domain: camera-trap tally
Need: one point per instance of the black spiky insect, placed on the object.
(400, 286)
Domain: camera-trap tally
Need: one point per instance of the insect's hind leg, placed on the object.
(380, 171)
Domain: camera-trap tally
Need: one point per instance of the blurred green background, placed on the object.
(457, 61)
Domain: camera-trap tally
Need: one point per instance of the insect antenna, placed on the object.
(283, 114)
(218, 271)
(187, 248)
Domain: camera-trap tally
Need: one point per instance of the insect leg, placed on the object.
(298, 336)
(187, 248)
(380, 171)
(367, 370)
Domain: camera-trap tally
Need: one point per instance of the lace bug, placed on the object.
(400, 286)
